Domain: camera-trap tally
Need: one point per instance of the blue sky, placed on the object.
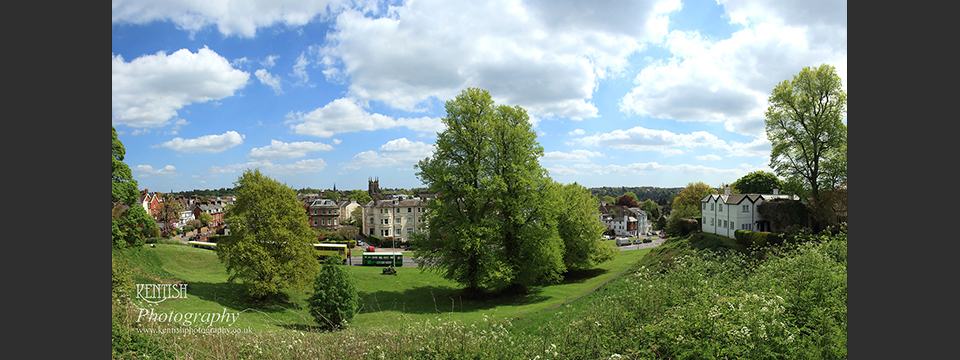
(317, 93)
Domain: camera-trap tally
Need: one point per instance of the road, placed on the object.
(356, 254)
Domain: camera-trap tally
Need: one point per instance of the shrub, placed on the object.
(153, 240)
(682, 227)
(335, 299)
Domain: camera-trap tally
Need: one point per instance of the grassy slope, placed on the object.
(412, 295)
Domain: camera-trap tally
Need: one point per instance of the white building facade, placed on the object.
(394, 218)
(723, 214)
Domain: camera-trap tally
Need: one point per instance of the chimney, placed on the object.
(776, 191)
(726, 190)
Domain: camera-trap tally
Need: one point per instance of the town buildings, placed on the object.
(625, 221)
(324, 214)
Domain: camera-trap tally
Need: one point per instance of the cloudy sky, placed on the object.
(317, 93)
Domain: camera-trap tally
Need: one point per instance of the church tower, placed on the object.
(373, 188)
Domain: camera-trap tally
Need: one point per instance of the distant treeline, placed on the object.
(661, 196)
(207, 193)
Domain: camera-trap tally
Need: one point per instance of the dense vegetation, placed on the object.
(661, 196)
(702, 296)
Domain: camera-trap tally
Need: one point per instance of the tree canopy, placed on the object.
(687, 204)
(757, 182)
(269, 248)
(124, 186)
(804, 124)
(489, 224)
(580, 227)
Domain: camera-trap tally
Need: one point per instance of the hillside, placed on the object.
(695, 297)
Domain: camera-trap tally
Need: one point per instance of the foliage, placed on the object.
(804, 124)
(677, 226)
(782, 213)
(270, 244)
(489, 224)
(687, 205)
(361, 196)
(335, 299)
(124, 187)
(627, 200)
(580, 227)
(133, 227)
(348, 231)
(757, 239)
(757, 182)
(325, 235)
(205, 219)
(169, 213)
(330, 194)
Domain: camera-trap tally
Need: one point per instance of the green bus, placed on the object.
(383, 258)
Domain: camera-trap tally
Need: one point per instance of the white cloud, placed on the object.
(643, 139)
(758, 147)
(345, 115)
(536, 55)
(299, 69)
(267, 167)
(575, 155)
(270, 80)
(281, 150)
(149, 90)
(270, 61)
(231, 17)
(708, 157)
(729, 80)
(577, 132)
(147, 170)
(206, 143)
(395, 152)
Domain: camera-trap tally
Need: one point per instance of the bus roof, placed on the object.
(332, 245)
(202, 243)
(382, 253)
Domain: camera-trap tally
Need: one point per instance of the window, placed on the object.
(720, 207)
(711, 207)
(371, 221)
(746, 208)
(397, 220)
(724, 224)
(409, 209)
(334, 222)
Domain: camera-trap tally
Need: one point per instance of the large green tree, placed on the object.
(804, 123)
(124, 186)
(757, 182)
(130, 223)
(580, 228)
(269, 249)
(488, 225)
(687, 203)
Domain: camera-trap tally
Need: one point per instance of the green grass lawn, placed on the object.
(410, 296)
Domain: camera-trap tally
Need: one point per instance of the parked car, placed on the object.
(371, 249)
(623, 241)
(647, 241)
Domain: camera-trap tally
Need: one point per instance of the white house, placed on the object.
(723, 214)
(394, 218)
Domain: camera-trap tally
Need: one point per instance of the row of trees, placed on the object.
(499, 219)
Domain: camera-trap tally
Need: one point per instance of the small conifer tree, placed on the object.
(335, 299)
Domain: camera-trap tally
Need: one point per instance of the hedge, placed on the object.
(748, 238)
